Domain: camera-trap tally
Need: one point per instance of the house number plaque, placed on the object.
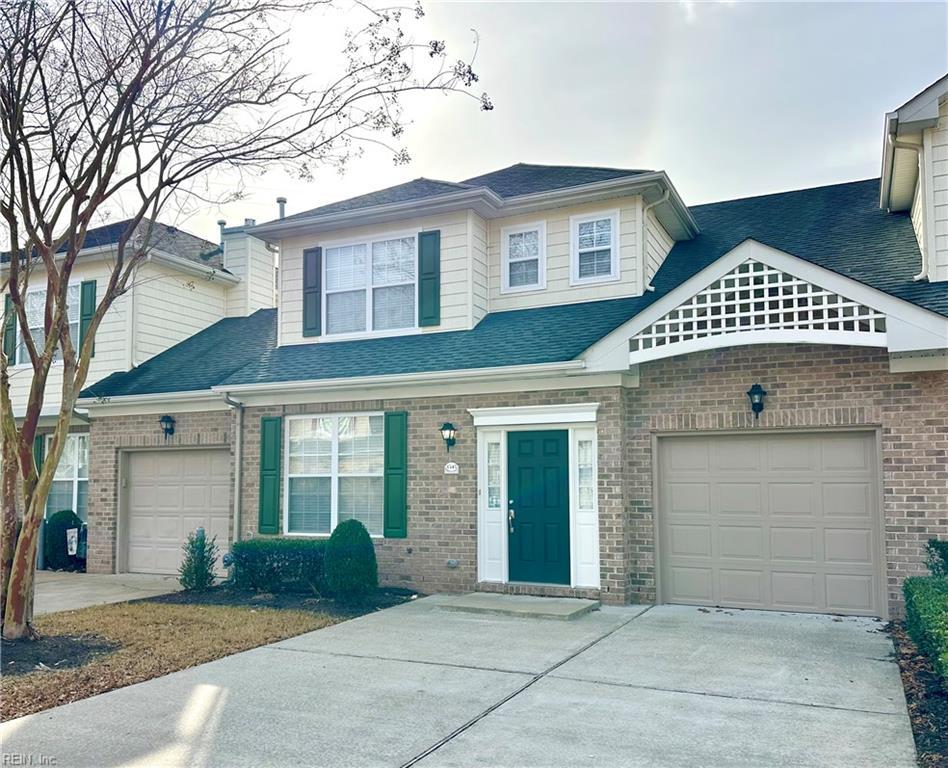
(451, 468)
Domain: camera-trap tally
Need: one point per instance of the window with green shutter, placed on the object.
(429, 278)
(271, 447)
(312, 291)
(87, 299)
(9, 331)
(396, 475)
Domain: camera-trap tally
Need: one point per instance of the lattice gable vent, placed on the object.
(758, 297)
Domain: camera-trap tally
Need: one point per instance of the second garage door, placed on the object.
(787, 522)
(170, 494)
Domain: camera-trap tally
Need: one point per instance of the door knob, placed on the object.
(510, 519)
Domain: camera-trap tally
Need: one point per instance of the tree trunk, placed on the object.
(18, 611)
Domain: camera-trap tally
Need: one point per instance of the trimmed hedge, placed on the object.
(352, 572)
(926, 619)
(937, 557)
(278, 565)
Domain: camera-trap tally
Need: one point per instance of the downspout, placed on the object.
(645, 210)
(919, 151)
(238, 458)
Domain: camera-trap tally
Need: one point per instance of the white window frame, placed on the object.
(368, 288)
(333, 473)
(540, 228)
(574, 222)
(20, 330)
(75, 479)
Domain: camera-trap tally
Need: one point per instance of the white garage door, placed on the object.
(788, 522)
(170, 494)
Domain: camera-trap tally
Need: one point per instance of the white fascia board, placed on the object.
(198, 400)
(565, 413)
(191, 267)
(488, 204)
(908, 326)
(318, 385)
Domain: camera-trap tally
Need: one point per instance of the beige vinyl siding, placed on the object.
(917, 216)
(236, 260)
(251, 260)
(111, 347)
(455, 284)
(938, 262)
(170, 306)
(657, 245)
(558, 289)
(479, 268)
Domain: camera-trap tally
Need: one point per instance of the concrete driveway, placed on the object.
(64, 591)
(418, 685)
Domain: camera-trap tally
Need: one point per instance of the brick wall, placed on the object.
(109, 438)
(807, 386)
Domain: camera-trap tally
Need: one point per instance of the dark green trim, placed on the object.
(9, 331)
(87, 299)
(312, 291)
(429, 278)
(39, 452)
(396, 475)
(271, 447)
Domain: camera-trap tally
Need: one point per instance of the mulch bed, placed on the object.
(287, 601)
(50, 653)
(927, 701)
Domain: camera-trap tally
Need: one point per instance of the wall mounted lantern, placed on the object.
(448, 434)
(757, 394)
(167, 425)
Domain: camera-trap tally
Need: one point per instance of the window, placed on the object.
(371, 286)
(524, 258)
(595, 248)
(70, 488)
(35, 314)
(334, 472)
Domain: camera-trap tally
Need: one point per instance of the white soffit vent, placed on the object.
(757, 303)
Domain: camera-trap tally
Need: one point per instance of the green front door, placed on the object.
(538, 511)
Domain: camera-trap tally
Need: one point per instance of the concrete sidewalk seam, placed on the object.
(785, 702)
(494, 707)
(317, 652)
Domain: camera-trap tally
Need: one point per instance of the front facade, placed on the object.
(537, 381)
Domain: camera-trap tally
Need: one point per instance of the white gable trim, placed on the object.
(908, 326)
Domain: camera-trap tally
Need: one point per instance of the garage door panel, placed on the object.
(796, 529)
(170, 494)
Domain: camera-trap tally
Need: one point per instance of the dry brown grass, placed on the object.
(155, 639)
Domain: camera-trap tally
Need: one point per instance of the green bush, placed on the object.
(351, 570)
(277, 565)
(54, 541)
(937, 557)
(200, 556)
(926, 619)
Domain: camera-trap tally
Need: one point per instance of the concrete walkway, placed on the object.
(417, 685)
(63, 591)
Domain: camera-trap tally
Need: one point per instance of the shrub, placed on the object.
(937, 557)
(351, 570)
(55, 549)
(277, 565)
(200, 555)
(926, 619)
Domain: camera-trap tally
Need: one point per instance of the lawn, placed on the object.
(93, 650)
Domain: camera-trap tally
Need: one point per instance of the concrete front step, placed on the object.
(564, 608)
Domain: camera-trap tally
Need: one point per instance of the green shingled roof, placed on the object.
(838, 227)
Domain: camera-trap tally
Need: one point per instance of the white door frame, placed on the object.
(493, 426)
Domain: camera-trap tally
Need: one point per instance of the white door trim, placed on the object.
(530, 415)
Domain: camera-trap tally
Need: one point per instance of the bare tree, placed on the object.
(131, 102)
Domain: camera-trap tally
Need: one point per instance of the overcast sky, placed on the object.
(731, 99)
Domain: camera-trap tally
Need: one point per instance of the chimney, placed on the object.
(249, 222)
(222, 223)
(281, 201)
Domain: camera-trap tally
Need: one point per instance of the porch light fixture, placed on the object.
(757, 394)
(167, 425)
(448, 434)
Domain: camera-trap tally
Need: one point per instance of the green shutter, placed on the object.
(39, 452)
(396, 475)
(86, 309)
(9, 331)
(271, 446)
(312, 291)
(429, 278)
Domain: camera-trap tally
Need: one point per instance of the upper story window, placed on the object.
(35, 315)
(524, 258)
(370, 286)
(594, 248)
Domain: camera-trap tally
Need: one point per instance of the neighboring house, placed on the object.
(184, 285)
(591, 340)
